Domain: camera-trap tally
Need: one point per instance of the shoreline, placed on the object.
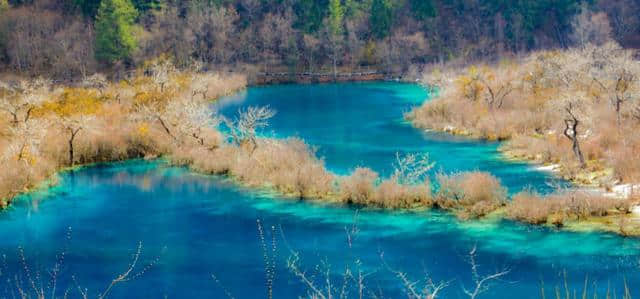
(331, 197)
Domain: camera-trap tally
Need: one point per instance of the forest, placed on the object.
(72, 39)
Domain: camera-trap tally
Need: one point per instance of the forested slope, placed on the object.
(74, 38)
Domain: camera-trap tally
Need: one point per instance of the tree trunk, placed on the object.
(571, 132)
(578, 152)
(71, 139)
(166, 129)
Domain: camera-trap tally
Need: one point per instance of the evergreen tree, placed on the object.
(310, 14)
(336, 15)
(89, 8)
(114, 27)
(4, 6)
(336, 30)
(422, 9)
(381, 18)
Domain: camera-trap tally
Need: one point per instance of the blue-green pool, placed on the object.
(196, 225)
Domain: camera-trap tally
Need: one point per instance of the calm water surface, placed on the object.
(196, 226)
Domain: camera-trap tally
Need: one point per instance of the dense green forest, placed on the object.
(73, 38)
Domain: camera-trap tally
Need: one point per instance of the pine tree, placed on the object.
(336, 15)
(381, 18)
(336, 30)
(114, 27)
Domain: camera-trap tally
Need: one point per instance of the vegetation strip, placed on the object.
(165, 112)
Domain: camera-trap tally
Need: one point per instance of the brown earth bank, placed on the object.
(305, 78)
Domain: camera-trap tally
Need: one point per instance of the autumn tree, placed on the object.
(115, 26)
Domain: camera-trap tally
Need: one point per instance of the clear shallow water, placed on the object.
(201, 225)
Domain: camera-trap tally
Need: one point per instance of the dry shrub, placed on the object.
(289, 166)
(532, 114)
(391, 194)
(557, 208)
(112, 126)
(359, 187)
(17, 176)
(531, 208)
(470, 194)
(362, 188)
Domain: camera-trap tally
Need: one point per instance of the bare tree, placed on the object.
(482, 283)
(161, 73)
(243, 127)
(427, 289)
(28, 137)
(20, 99)
(189, 118)
(155, 113)
(72, 125)
(310, 46)
(616, 72)
(128, 274)
(572, 122)
(411, 169)
(497, 94)
(590, 28)
(96, 81)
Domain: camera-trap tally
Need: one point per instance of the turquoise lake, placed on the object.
(196, 226)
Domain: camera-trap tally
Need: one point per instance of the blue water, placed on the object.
(197, 226)
(361, 124)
